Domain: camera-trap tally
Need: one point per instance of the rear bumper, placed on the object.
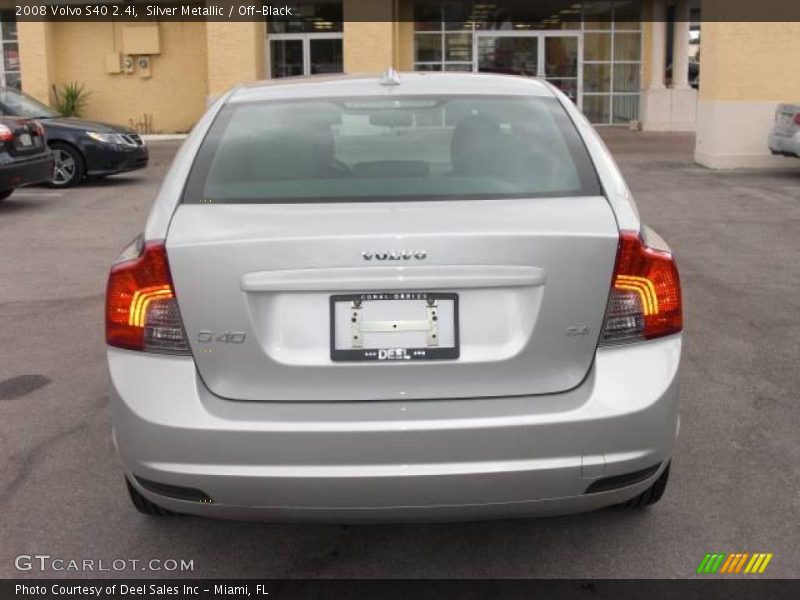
(415, 460)
(786, 145)
(38, 169)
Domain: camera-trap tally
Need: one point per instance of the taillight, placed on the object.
(645, 300)
(141, 308)
(6, 135)
(797, 119)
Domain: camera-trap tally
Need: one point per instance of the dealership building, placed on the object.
(658, 65)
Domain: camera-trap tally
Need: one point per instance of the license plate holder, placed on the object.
(395, 326)
(25, 139)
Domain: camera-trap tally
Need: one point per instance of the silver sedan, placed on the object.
(407, 297)
(785, 136)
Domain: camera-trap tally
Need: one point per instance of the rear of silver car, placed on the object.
(363, 302)
(785, 136)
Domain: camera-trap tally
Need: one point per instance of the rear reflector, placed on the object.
(645, 301)
(175, 491)
(141, 309)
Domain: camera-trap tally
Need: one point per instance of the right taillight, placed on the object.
(141, 308)
(797, 119)
(645, 300)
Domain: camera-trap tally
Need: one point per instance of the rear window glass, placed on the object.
(415, 148)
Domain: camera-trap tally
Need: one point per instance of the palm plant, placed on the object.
(71, 99)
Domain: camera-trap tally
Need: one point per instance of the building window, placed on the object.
(591, 50)
(443, 38)
(612, 61)
(310, 43)
(9, 67)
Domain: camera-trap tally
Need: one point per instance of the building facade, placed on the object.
(621, 61)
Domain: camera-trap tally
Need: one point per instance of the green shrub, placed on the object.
(71, 99)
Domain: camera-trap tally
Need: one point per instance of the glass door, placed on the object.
(554, 56)
(325, 56)
(286, 58)
(561, 65)
(293, 54)
(517, 55)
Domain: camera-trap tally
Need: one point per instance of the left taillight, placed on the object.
(645, 300)
(141, 308)
(6, 135)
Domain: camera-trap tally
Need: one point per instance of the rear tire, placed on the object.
(5, 194)
(145, 506)
(652, 494)
(68, 167)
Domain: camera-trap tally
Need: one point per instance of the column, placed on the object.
(680, 46)
(656, 102)
(745, 73)
(658, 45)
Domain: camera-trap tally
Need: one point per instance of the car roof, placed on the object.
(405, 84)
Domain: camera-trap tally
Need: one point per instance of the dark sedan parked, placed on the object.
(24, 157)
(80, 148)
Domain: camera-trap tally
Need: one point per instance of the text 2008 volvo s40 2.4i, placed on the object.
(407, 297)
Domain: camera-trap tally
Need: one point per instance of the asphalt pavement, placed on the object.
(735, 482)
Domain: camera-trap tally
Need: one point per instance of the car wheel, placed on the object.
(652, 494)
(145, 506)
(5, 194)
(68, 169)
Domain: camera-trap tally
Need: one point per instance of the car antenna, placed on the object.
(390, 77)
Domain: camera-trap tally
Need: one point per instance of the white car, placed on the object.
(785, 136)
(407, 297)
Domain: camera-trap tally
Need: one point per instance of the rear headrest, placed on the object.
(276, 154)
(473, 138)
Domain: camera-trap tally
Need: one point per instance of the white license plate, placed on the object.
(25, 139)
(394, 326)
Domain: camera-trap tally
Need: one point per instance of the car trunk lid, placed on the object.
(25, 140)
(254, 286)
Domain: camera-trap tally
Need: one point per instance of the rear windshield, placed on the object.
(414, 148)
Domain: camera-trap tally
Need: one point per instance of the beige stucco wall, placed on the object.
(37, 59)
(369, 44)
(405, 36)
(647, 44)
(750, 61)
(172, 98)
(236, 54)
(747, 70)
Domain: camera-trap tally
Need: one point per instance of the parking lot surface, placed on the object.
(736, 473)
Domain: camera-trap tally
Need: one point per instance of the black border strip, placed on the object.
(273, 10)
(731, 588)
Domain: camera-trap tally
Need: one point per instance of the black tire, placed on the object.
(5, 194)
(143, 505)
(69, 168)
(652, 494)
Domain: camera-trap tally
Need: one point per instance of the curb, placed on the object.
(164, 137)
